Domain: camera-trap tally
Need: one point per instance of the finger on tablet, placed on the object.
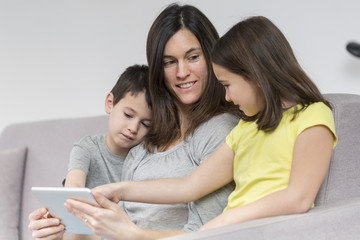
(104, 202)
(38, 214)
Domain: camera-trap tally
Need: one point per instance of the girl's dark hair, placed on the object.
(134, 80)
(166, 124)
(257, 50)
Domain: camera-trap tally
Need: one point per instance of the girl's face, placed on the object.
(242, 92)
(185, 67)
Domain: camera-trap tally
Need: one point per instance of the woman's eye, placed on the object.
(168, 63)
(194, 57)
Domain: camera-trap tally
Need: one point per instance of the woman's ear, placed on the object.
(109, 103)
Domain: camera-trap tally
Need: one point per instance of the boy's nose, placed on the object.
(133, 127)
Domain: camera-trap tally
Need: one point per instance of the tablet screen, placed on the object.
(54, 198)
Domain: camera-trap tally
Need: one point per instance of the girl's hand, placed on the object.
(108, 221)
(110, 191)
(44, 226)
(219, 221)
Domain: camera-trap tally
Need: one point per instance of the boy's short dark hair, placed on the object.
(134, 79)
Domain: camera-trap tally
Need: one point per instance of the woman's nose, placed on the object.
(182, 70)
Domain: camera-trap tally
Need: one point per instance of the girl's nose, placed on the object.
(227, 97)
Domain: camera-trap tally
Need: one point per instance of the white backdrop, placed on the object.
(59, 58)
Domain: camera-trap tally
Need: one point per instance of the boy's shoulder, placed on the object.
(91, 139)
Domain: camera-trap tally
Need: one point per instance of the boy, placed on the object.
(98, 159)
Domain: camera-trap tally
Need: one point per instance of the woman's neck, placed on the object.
(184, 123)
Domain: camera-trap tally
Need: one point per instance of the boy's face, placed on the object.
(129, 122)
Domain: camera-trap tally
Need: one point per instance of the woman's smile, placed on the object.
(186, 85)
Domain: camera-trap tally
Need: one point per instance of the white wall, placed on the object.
(59, 59)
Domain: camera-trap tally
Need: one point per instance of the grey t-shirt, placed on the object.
(92, 155)
(179, 161)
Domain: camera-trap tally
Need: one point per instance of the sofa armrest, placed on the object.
(330, 222)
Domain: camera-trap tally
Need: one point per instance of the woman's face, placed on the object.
(185, 67)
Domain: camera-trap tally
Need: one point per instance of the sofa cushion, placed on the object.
(343, 179)
(12, 163)
(48, 143)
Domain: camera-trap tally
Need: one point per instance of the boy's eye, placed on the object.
(145, 124)
(127, 115)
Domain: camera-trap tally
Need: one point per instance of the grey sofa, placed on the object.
(36, 154)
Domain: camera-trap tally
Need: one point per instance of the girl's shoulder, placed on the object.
(317, 110)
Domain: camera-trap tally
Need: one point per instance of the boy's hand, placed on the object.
(44, 226)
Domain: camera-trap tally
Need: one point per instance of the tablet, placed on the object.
(54, 198)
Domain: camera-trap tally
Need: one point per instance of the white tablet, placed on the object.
(54, 198)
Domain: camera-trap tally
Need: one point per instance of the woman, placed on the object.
(190, 121)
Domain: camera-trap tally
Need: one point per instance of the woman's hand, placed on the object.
(108, 221)
(44, 226)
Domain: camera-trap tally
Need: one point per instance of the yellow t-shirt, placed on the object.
(263, 160)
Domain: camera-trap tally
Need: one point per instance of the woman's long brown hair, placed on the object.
(165, 128)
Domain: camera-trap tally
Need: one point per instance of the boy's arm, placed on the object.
(311, 158)
(77, 178)
(214, 173)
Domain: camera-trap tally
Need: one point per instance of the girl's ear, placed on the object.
(109, 103)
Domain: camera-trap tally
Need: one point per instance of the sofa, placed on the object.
(37, 153)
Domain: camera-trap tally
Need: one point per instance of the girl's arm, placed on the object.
(312, 154)
(214, 173)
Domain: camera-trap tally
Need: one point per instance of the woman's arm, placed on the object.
(311, 158)
(214, 173)
(111, 222)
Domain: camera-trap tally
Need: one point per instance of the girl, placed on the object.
(279, 152)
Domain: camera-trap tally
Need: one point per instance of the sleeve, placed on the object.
(317, 114)
(80, 156)
(208, 139)
(211, 135)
